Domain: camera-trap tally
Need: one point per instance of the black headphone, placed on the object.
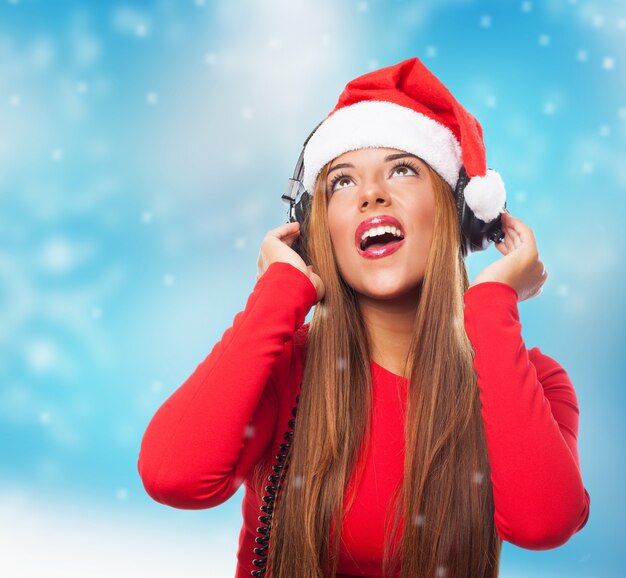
(474, 232)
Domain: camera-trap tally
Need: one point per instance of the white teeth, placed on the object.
(374, 231)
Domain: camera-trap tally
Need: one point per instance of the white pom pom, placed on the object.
(486, 195)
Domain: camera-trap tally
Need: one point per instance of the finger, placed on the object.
(507, 241)
(522, 230)
(502, 247)
(284, 230)
(511, 231)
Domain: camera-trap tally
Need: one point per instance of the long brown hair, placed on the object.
(446, 492)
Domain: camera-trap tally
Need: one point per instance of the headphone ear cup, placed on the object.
(302, 209)
(476, 235)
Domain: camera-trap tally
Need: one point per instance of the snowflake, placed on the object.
(44, 417)
(608, 63)
(562, 290)
(478, 477)
(548, 108)
(485, 21)
(597, 21)
(582, 55)
(57, 154)
(587, 167)
(527, 6)
(544, 40)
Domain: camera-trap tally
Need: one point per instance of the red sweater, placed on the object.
(203, 442)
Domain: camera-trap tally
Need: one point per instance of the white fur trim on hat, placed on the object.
(486, 195)
(375, 123)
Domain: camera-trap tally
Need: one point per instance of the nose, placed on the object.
(373, 192)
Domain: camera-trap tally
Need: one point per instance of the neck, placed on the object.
(390, 326)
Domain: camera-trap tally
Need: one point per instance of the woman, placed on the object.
(416, 396)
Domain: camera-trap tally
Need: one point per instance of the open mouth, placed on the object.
(379, 241)
(380, 246)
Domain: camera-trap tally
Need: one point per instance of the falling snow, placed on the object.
(126, 250)
(608, 63)
(56, 154)
(544, 40)
(431, 51)
(478, 477)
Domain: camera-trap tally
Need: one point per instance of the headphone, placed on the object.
(475, 234)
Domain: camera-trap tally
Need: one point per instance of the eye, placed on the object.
(409, 169)
(337, 179)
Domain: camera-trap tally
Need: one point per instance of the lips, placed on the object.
(376, 221)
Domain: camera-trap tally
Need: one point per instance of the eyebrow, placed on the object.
(387, 159)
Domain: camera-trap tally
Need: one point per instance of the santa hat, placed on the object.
(405, 106)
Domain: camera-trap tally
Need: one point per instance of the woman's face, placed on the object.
(374, 182)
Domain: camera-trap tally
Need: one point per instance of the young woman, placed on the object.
(426, 432)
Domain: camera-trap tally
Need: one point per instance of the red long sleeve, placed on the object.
(206, 437)
(530, 412)
(232, 411)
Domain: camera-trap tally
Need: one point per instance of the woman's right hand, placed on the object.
(276, 246)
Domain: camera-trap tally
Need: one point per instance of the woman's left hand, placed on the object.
(520, 267)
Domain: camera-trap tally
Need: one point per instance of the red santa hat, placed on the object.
(405, 106)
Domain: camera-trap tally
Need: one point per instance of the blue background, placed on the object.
(144, 148)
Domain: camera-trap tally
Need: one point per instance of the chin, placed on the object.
(385, 291)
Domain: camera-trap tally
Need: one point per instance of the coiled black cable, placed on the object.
(280, 468)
